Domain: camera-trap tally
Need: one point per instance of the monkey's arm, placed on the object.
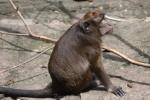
(104, 78)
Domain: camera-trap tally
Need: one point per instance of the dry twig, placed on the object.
(46, 39)
(15, 34)
(30, 33)
(126, 58)
(115, 19)
(29, 60)
(20, 15)
(31, 77)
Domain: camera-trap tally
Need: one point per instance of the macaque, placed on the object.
(75, 58)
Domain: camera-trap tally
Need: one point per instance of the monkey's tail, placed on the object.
(10, 92)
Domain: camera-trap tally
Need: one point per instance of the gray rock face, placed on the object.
(52, 18)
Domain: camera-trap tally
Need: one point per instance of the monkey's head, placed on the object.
(93, 22)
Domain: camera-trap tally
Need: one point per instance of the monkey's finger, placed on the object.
(122, 93)
(116, 93)
(119, 92)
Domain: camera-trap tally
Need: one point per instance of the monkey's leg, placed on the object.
(104, 78)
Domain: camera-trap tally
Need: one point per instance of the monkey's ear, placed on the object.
(85, 26)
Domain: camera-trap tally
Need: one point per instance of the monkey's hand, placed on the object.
(118, 91)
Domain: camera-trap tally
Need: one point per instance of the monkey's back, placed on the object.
(68, 66)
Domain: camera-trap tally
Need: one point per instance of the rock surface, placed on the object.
(51, 18)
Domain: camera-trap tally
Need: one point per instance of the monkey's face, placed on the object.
(90, 28)
(93, 22)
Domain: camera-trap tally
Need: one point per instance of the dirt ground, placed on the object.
(51, 18)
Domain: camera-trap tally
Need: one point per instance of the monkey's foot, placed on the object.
(118, 91)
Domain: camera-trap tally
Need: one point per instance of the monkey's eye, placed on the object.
(87, 26)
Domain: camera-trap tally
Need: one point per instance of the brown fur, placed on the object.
(76, 56)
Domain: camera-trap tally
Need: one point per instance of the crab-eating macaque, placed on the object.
(75, 58)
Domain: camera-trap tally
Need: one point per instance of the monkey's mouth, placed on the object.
(105, 28)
